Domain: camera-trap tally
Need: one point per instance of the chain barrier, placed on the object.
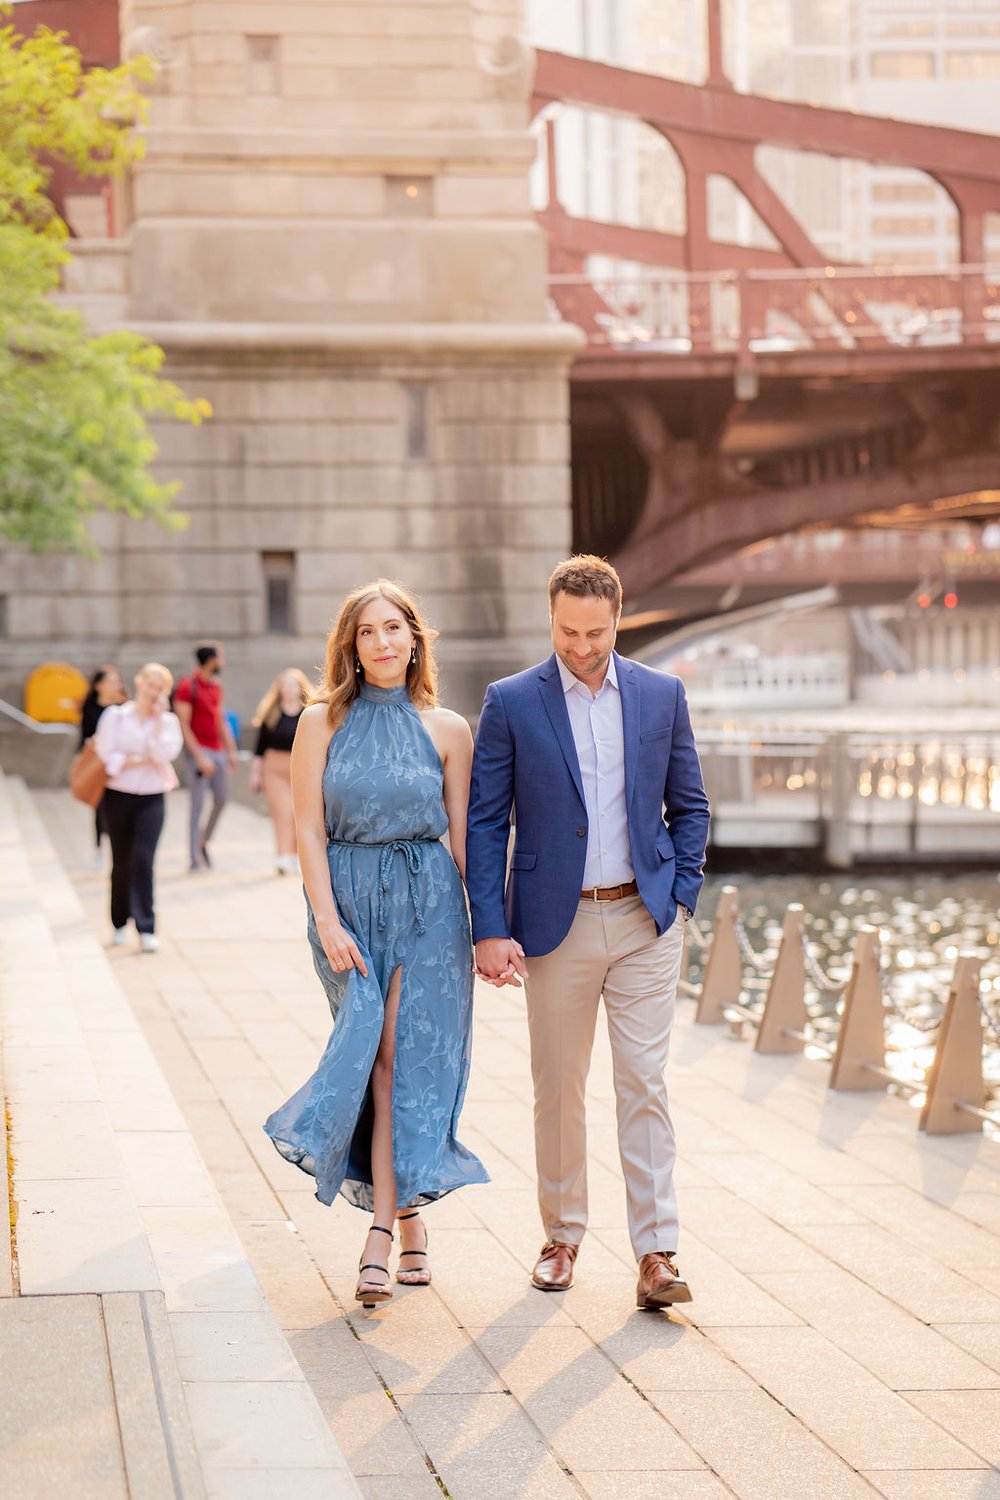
(885, 973)
(822, 981)
(698, 938)
(992, 1023)
(753, 958)
(827, 985)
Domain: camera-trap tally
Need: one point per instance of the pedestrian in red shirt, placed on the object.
(210, 750)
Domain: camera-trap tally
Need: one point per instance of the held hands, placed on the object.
(340, 948)
(499, 961)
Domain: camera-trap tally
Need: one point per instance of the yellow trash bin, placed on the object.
(54, 692)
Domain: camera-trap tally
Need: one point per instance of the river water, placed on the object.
(925, 919)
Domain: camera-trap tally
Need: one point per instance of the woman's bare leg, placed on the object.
(383, 1173)
(278, 791)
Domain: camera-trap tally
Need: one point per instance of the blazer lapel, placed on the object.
(554, 699)
(628, 687)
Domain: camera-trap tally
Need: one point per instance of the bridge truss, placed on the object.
(733, 392)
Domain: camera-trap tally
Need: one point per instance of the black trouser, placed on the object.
(134, 822)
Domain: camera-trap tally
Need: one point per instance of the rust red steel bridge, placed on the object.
(729, 393)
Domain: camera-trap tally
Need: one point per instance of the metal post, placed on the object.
(552, 163)
(956, 1074)
(838, 850)
(716, 66)
(722, 980)
(784, 1017)
(859, 1061)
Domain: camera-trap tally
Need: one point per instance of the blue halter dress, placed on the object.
(400, 896)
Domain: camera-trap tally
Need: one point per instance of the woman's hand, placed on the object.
(340, 948)
(256, 774)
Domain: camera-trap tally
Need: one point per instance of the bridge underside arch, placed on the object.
(669, 478)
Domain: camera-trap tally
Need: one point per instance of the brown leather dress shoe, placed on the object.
(659, 1283)
(554, 1267)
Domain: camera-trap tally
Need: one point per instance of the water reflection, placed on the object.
(925, 920)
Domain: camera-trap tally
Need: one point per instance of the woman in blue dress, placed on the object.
(379, 773)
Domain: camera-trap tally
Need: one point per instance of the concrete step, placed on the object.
(119, 1222)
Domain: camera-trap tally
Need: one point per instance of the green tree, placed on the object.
(73, 406)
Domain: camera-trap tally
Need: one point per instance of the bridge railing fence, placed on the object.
(841, 1016)
(756, 310)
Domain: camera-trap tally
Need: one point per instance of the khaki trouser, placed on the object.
(611, 948)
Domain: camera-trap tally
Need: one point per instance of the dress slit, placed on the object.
(359, 1156)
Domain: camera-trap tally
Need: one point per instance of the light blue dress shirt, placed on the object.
(596, 722)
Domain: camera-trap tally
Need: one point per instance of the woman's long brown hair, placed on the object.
(341, 682)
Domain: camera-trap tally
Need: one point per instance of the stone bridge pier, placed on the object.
(331, 236)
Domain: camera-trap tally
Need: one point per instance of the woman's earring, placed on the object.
(413, 654)
(357, 666)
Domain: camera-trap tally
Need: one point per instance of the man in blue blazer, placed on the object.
(594, 757)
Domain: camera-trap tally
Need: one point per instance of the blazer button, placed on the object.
(581, 833)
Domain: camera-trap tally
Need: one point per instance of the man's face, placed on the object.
(583, 635)
(214, 665)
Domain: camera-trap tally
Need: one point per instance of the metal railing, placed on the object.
(24, 721)
(857, 795)
(851, 1036)
(758, 311)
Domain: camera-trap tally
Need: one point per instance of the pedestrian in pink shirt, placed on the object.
(137, 742)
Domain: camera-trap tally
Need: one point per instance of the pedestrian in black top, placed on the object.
(104, 689)
(277, 718)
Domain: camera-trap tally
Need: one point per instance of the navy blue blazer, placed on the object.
(525, 760)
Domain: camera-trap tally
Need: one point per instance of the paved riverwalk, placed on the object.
(844, 1339)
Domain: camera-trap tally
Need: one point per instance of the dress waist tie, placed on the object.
(412, 852)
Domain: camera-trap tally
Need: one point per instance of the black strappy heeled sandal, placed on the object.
(417, 1270)
(374, 1293)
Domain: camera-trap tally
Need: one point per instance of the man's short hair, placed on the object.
(584, 575)
(205, 653)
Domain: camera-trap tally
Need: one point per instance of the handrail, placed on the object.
(35, 725)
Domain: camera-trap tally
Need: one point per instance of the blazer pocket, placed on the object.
(664, 845)
(522, 860)
(657, 734)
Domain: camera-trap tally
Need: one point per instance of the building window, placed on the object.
(903, 192)
(973, 65)
(416, 420)
(262, 65)
(902, 65)
(913, 259)
(892, 28)
(973, 26)
(908, 228)
(409, 197)
(278, 569)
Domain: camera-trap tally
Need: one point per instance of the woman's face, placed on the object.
(290, 688)
(151, 692)
(383, 642)
(110, 689)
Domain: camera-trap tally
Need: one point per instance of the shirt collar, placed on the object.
(569, 682)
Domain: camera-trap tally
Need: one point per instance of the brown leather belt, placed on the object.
(609, 892)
